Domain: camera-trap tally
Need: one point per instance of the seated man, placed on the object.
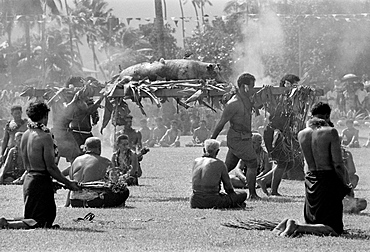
(126, 161)
(208, 172)
(350, 135)
(238, 178)
(158, 132)
(201, 133)
(91, 167)
(13, 167)
(172, 136)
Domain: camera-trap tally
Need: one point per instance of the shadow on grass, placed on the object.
(171, 199)
(82, 229)
(356, 234)
(248, 208)
(280, 199)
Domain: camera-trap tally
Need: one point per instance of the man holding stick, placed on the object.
(238, 112)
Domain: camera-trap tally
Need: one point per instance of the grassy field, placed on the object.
(157, 216)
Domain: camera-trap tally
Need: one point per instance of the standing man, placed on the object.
(38, 154)
(208, 172)
(238, 112)
(13, 126)
(326, 178)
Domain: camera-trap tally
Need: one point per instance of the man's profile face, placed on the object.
(202, 124)
(17, 114)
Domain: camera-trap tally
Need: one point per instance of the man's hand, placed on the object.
(73, 185)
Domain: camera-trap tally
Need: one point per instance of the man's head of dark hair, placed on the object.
(245, 79)
(37, 110)
(291, 78)
(320, 108)
(15, 107)
(75, 81)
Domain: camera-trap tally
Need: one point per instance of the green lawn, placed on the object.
(157, 216)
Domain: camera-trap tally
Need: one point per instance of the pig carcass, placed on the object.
(176, 69)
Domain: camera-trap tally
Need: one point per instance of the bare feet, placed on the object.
(254, 197)
(263, 186)
(280, 227)
(3, 223)
(291, 227)
(276, 194)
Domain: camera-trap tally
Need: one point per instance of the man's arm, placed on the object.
(4, 144)
(225, 178)
(226, 116)
(337, 158)
(7, 165)
(135, 165)
(49, 158)
(163, 139)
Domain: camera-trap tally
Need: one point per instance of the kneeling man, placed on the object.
(208, 172)
(91, 167)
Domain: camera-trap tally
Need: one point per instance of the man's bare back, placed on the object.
(89, 167)
(321, 148)
(208, 173)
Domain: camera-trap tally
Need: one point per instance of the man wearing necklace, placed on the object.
(238, 111)
(126, 161)
(13, 126)
(39, 152)
(208, 173)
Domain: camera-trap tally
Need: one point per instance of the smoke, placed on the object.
(262, 36)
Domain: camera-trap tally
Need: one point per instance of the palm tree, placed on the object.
(29, 9)
(237, 6)
(91, 17)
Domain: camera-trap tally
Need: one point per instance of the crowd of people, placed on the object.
(30, 156)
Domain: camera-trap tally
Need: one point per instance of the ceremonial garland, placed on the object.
(41, 126)
(12, 126)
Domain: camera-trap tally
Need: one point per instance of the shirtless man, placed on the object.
(13, 126)
(238, 112)
(208, 172)
(326, 179)
(350, 135)
(172, 136)
(91, 167)
(201, 133)
(158, 132)
(39, 153)
(83, 119)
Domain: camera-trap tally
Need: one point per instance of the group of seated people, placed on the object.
(160, 135)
